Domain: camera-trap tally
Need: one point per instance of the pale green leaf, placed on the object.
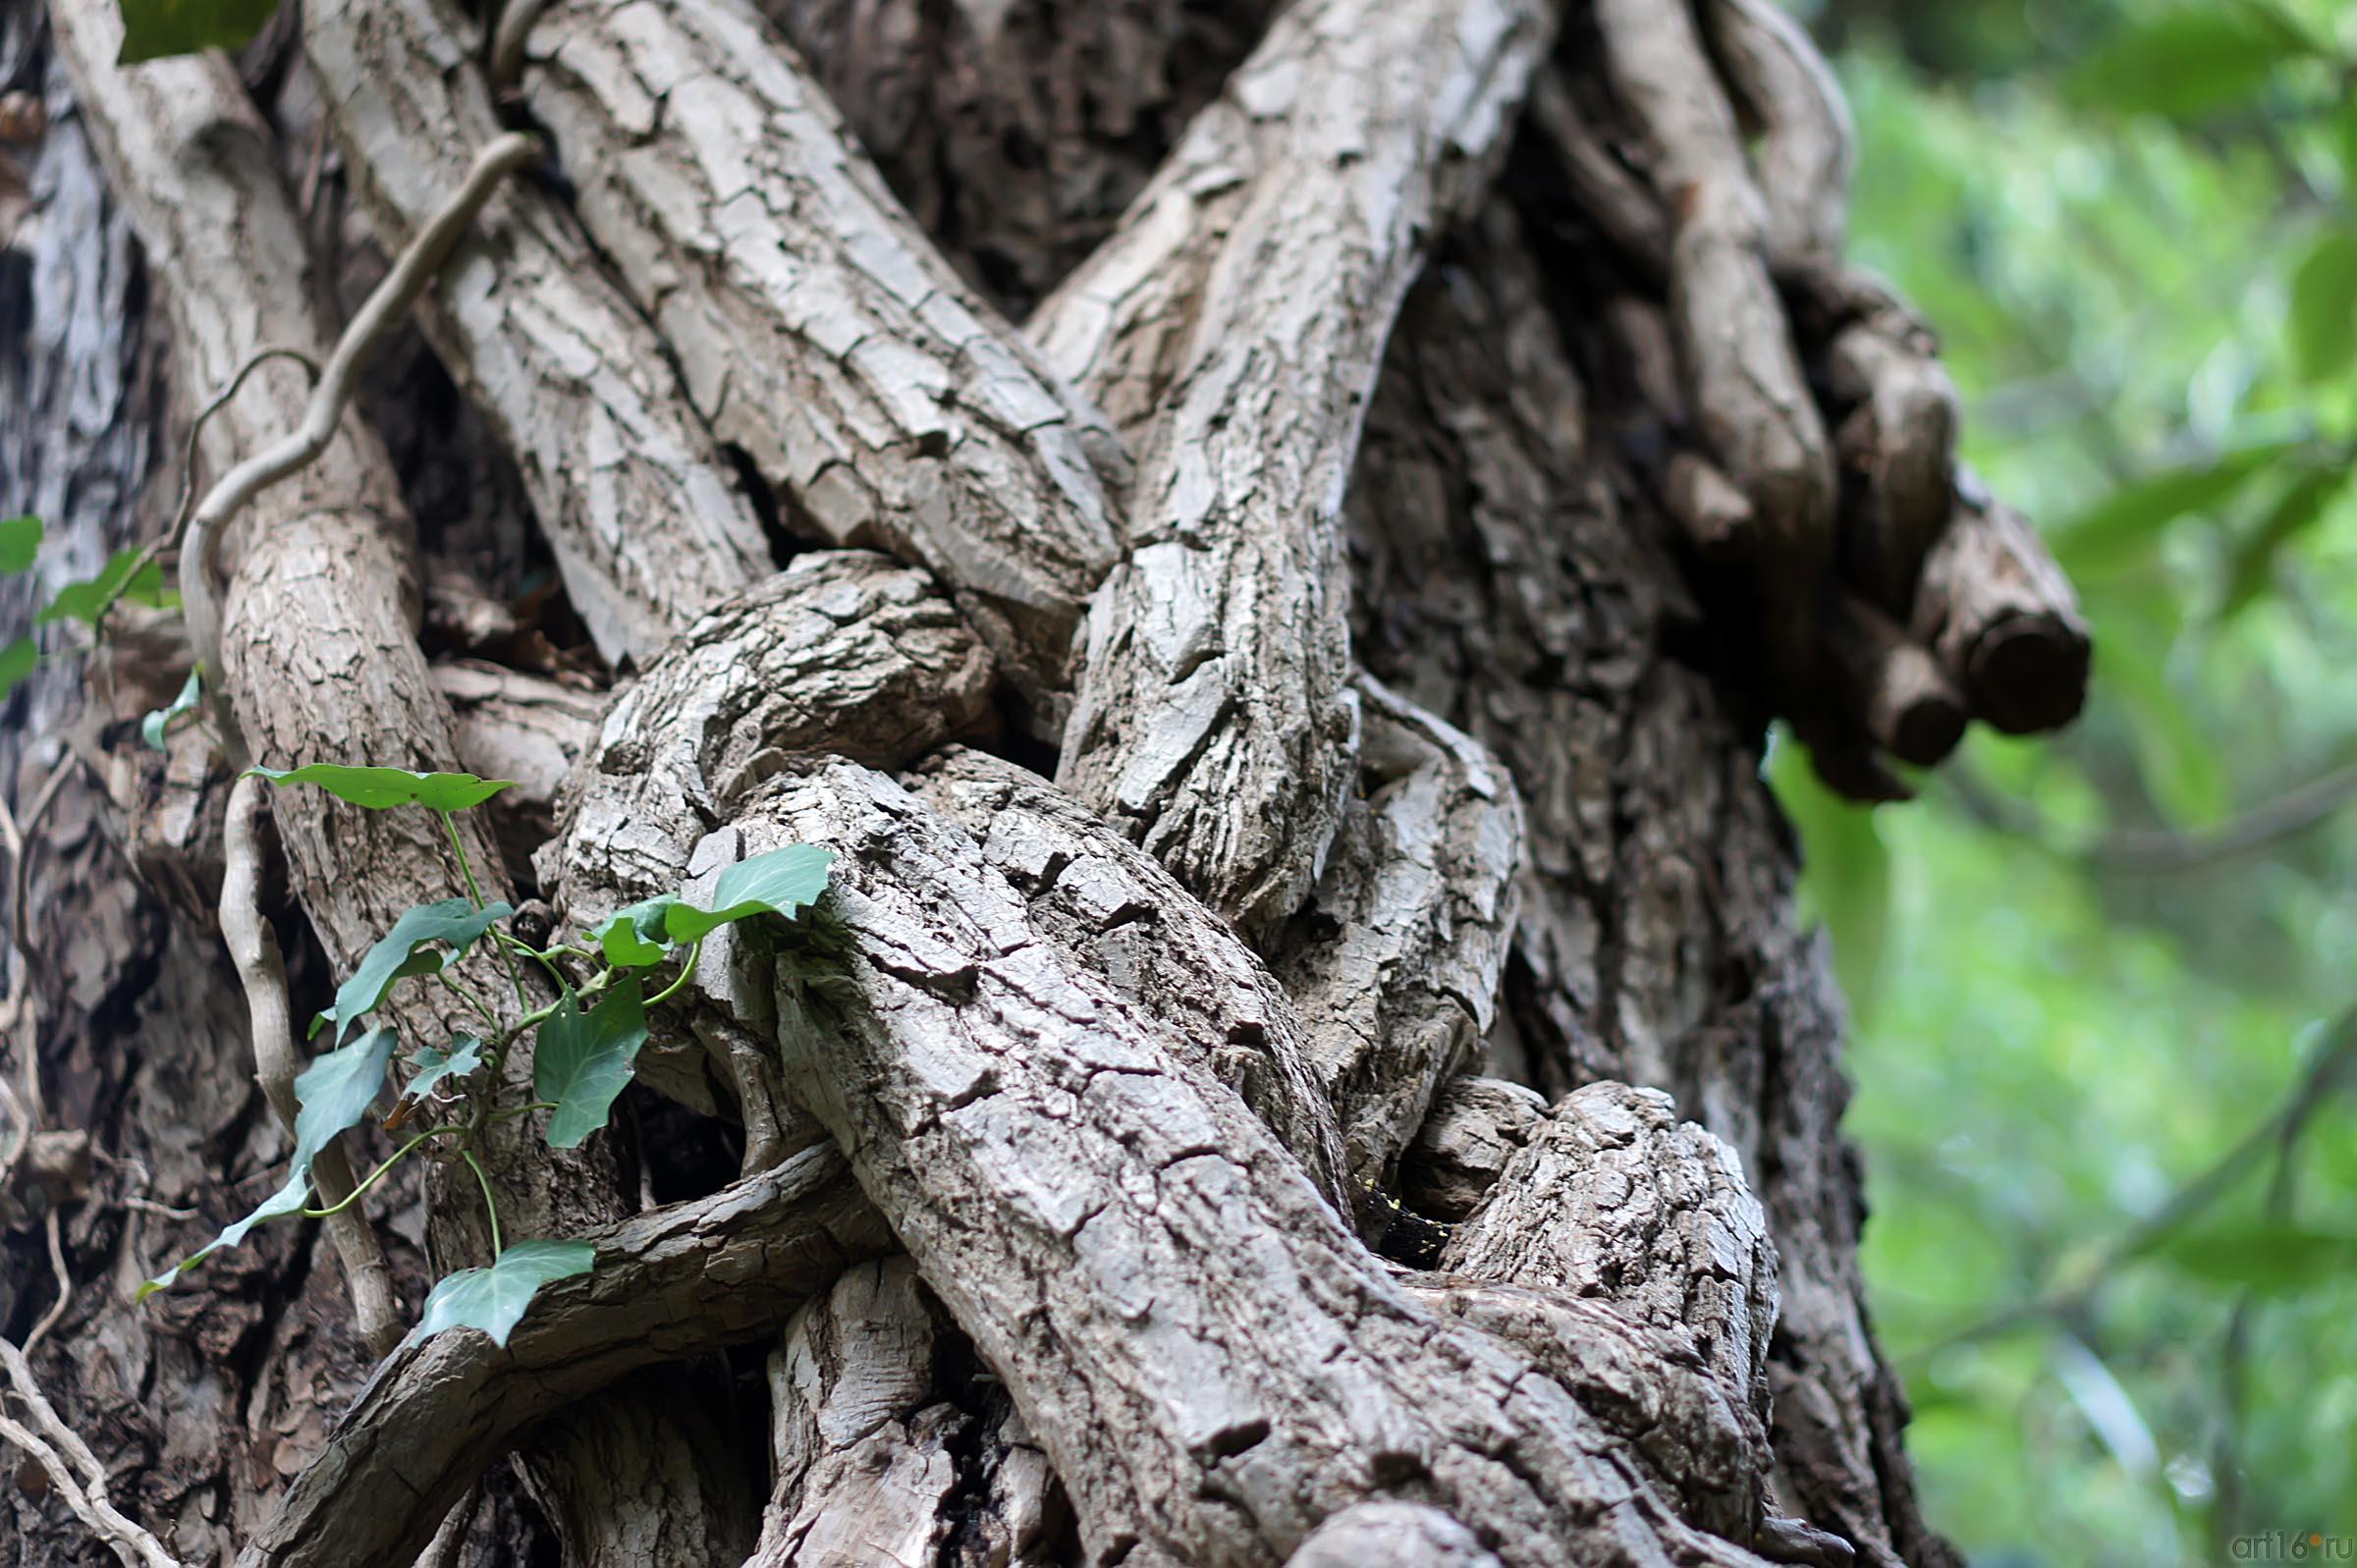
(332, 1095)
(635, 938)
(404, 951)
(583, 1060)
(465, 1055)
(17, 661)
(381, 788)
(19, 542)
(495, 1299)
(158, 724)
(777, 883)
(127, 575)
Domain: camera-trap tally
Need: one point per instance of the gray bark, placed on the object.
(1401, 745)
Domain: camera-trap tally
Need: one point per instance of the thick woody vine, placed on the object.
(1133, 1067)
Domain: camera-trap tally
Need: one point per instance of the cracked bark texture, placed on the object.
(1232, 328)
(1656, 943)
(635, 498)
(1160, 1285)
(1123, 1092)
(816, 329)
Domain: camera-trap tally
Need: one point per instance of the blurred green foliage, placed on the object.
(2115, 1239)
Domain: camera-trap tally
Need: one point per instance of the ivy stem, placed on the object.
(514, 1111)
(360, 1189)
(490, 1207)
(686, 968)
(450, 826)
(466, 995)
(474, 893)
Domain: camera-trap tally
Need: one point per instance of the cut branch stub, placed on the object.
(816, 329)
(1211, 1361)
(1233, 328)
(1807, 147)
(1999, 612)
(1742, 372)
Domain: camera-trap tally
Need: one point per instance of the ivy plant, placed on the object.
(129, 576)
(450, 1093)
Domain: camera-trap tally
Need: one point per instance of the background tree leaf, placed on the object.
(777, 883)
(495, 1299)
(2323, 306)
(402, 952)
(2253, 566)
(583, 1060)
(155, 29)
(379, 787)
(2188, 61)
(2266, 1255)
(636, 938)
(20, 543)
(127, 575)
(18, 659)
(1845, 870)
(2126, 525)
(333, 1094)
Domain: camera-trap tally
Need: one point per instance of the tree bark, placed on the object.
(1392, 565)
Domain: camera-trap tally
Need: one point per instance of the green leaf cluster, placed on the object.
(586, 1041)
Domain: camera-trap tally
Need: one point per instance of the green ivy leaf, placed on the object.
(379, 787)
(635, 938)
(155, 29)
(465, 1055)
(2295, 513)
(2324, 308)
(402, 952)
(583, 1060)
(19, 542)
(157, 724)
(17, 661)
(333, 1094)
(128, 575)
(2189, 62)
(495, 1299)
(777, 883)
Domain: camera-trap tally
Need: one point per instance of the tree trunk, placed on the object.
(1266, 538)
